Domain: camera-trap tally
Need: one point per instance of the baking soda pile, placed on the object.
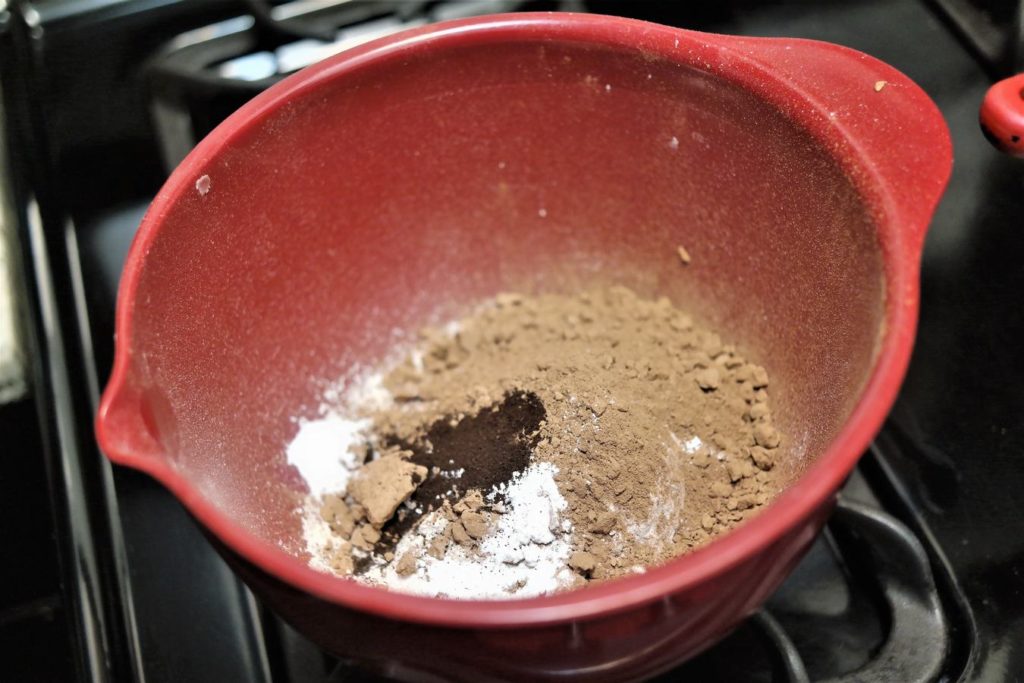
(539, 444)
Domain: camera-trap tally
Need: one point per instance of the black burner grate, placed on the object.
(918, 576)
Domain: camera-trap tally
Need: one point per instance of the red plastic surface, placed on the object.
(1002, 115)
(404, 180)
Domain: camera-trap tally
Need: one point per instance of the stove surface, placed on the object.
(918, 577)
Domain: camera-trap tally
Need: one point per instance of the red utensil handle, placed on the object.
(1002, 115)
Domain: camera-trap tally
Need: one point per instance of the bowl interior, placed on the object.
(402, 191)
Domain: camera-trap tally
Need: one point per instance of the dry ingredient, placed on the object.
(538, 444)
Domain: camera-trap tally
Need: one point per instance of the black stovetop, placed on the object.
(918, 577)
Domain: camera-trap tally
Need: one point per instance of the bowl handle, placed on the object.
(877, 121)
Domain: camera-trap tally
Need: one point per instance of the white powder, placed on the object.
(369, 393)
(690, 446)
(322, 451)
(525, 554)
(452, 474)
(661, 523)
(319, 538)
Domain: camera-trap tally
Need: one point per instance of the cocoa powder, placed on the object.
(661, 433)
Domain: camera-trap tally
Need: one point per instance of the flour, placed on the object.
(324, 448)
(690, 446)
(323, 451)
(368, 393)
(320, 540)
(524, 555)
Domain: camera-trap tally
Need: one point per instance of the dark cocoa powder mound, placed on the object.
(463, 454)
(662, 434)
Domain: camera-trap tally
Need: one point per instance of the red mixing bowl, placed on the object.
(414, 176)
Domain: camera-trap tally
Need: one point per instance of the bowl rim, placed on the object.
(814, 490)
